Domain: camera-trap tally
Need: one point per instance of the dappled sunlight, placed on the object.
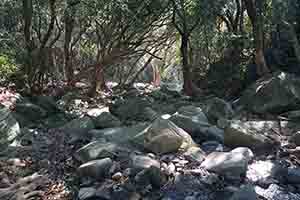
(148, 100)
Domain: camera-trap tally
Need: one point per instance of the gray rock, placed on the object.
(276, 93)
(97, 150)
(171, 169)
(131, 109)
(217, 108)
(95, 112)
(296, 138)
(55, 120)
(215, 133)
(152, 175)
(46, 102)
(190, 124)
(143, 162)
(275, 192)
(232, 163)
(85, 123)
(96, 169)
(191, 119)
(122, 135)
(117, 176)
(193, 111)
(223, 123)
(9, 128)
(246, 192)
(106, 120)
(190, 198)
(163, 136)
(262, 172)
(293, 175)
(247, 134)
(173, 89)
(30, 111)
(211, 146)
(195, 154)
(184, 185)
(293, 115)
(86, 193)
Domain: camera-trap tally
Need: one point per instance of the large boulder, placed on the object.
(132, 135)
(48, 103)
(163, 136)
(131, 109)
(85, 123)
(140, 162)
(30, 111)
(9, 128)
(248, 134)
(96, 169)
(265, 172)
(55, 120)
(106, 120)
(276, 93)
(98, 150)
(293, 175)
(191, 119)
(232, 164)
(217, 108)
(195, 154)
(296, 138)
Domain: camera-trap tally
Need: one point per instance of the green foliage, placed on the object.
(8, 67)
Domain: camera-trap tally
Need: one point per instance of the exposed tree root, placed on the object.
(24, 188)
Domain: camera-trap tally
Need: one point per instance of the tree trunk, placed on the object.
(186, 69)
(27, 17)
(255, 12)
(156, 76)
(140, 71)
(98, 83)
(69, 25)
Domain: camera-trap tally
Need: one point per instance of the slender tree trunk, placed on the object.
(241, 24)
(187, 74)
(156, 76)
(69, 25)
(98, 83)
(140, 71)
(255, 12)
(27, 17)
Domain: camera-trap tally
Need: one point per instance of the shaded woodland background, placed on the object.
(50, 43)
(150, 99)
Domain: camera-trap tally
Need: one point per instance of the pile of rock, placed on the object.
(160, 158)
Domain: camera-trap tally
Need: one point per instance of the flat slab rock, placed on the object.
(275, 192)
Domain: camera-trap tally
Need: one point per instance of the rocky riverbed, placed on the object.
(156, 144)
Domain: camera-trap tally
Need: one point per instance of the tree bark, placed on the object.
(27, 17)
(98, 82)
(69, 25)
(255, 12)
(187, 74)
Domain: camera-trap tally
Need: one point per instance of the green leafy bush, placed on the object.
(7, 67)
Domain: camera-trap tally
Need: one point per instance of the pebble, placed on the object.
(151, 155)
(164, 166)
(190, 198)
(171, 169)
(117, 176)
